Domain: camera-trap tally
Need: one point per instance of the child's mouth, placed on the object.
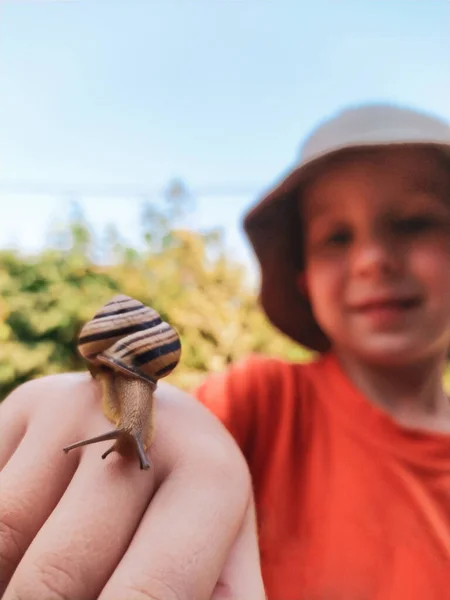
(386, 311)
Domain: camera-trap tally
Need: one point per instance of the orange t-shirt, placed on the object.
(350, 505)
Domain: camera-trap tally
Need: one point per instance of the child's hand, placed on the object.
(75, 526)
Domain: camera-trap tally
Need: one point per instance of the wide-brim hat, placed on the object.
(273, 224)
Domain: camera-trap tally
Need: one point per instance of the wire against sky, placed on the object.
(118, 190)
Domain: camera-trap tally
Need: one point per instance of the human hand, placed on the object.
(77, 527)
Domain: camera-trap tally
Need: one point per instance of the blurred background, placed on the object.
(135, 134)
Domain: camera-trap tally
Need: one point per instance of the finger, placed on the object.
(185, 536)
(31, 483)
(78, 547)
(241, 577)
(38, 472)
(13, 425)
(43, 402)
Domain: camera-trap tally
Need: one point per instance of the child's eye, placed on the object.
(415, 224)
(338, 238)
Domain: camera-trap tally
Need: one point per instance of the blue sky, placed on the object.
(220, 93)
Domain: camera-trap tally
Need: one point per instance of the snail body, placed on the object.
(128, 348)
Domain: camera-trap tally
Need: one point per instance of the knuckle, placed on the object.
(227, 461)
(221, 453)
(217, 470)
(13, 543)
(220, 460)
(55, 392)
(54, 579)
(153, 589)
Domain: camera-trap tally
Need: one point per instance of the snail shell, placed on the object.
(128, 348)
(128, 336)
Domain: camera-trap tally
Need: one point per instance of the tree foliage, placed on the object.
(185, 275)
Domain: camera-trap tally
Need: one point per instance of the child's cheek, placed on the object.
(431, 266)
(325, 284)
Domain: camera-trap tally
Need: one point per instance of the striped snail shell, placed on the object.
(130, 337)
(128, 348)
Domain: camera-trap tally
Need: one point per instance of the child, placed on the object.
(350, 453)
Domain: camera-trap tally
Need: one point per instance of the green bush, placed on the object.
(185, 275)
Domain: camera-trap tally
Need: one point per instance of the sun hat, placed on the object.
(272, 224)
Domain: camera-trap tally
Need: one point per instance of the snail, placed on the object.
(128, 348)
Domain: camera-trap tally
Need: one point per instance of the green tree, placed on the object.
(185, 275)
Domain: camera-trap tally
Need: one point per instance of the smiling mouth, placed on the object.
(394, 304)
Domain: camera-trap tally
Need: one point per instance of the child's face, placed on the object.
(377, 245)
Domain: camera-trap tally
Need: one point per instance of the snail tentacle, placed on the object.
(109, 435)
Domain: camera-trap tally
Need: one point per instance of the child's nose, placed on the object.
(374, 256)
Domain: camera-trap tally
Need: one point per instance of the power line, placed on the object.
(121, 190)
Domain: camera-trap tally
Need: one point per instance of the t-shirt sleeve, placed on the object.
(240, 396)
